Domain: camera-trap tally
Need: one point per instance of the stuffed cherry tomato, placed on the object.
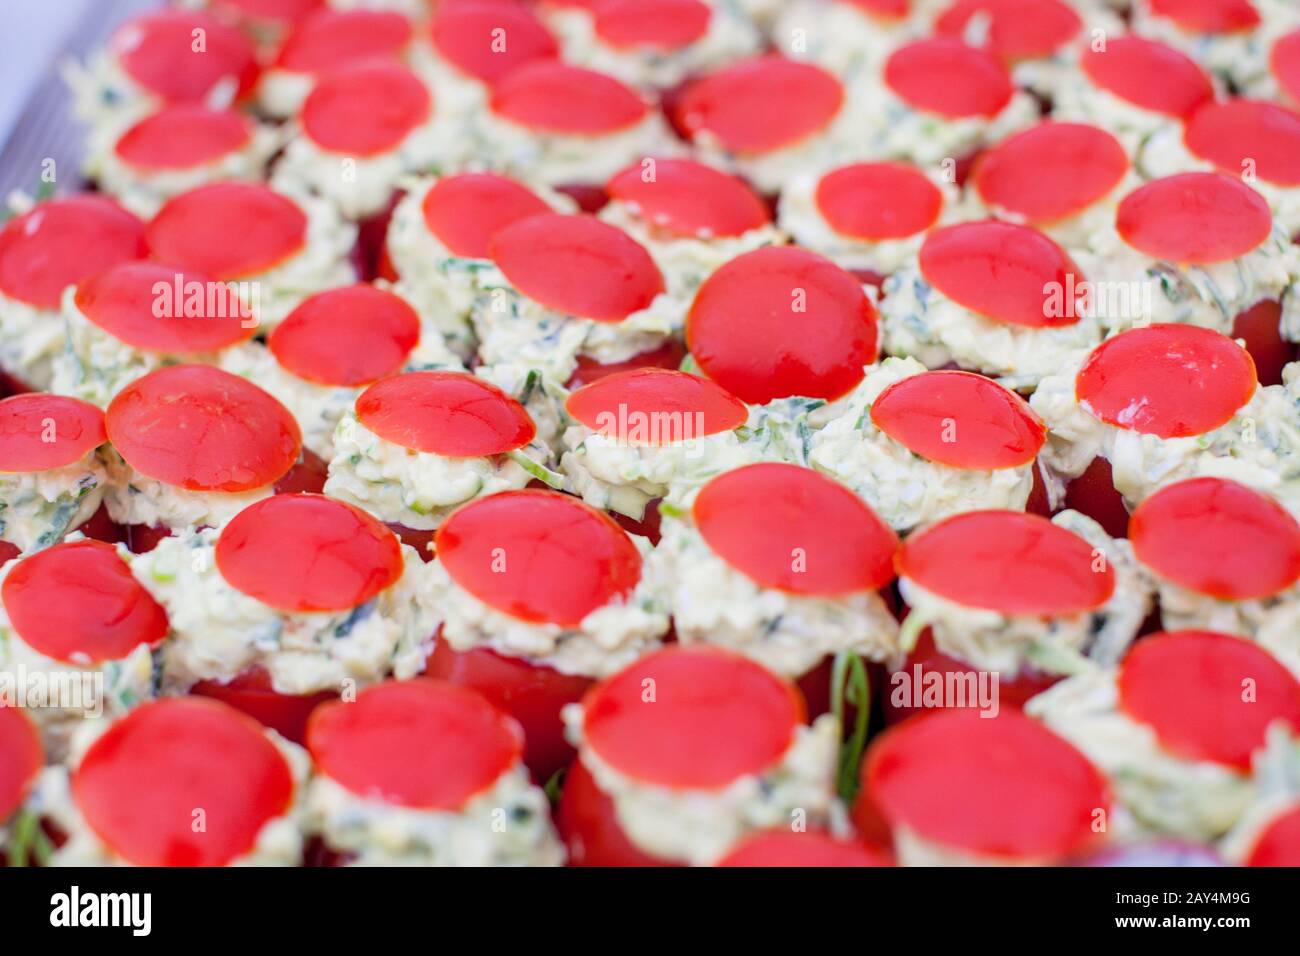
(1219, 33)
(21, 760)
(849, 38)
(468, 55)
(813, 848)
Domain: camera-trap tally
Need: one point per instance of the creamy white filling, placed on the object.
(136, 499)
(842, 38)
(219, 632)
(1087, 228)
(700, 826)
(30, 338)
(905, 489)
(105, 97)
(1081, 101)
(38, 508)
(1009, 643)
(1238, 58)
(606, 640)
(508, 824)
(1275, 771)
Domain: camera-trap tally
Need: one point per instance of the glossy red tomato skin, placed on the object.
(845, 546)
(1260, 326)
(1007, 561)
(139, 783)
(77, 603)
(878, 201)
(1017, 29)
(625, 398)
(577, 265)
(334, 38)
(1005, 787)
(945, 76)
(532, 694)
(156, 51)
(1279, 843)
(1149, 74)
(554, 97)
(1284, 61)
(738, 105)
(1050, 171)
(669, 355)
(664, 25)
(1247, 545)
(454, 414)
(1208, 16)
(1236, 134)
(40, 432)
(589, 826)
(21, 758)
(60, 242)
(365, 110)
(1182, 380)
(994, 427)
(1194, 218)
(464, 33)
(197, 230)
(252, 693)
(495, 547)
(125, 301)
(183, 137)
(1093, 493)
(465, 211)
(351, 335)
(781, 321)
(688, 198)
(1003, 271)
(1187, 686)
(813, 848)
(199, 402)
(307, 477)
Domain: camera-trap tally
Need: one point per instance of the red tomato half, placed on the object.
(468, 34)
(759, 105)
(21, 758)
(1284, 61)
(1005, 272)
(365, 109)
(1208, 16)
(1194, 218)
(454, 414)
(782, 321)
(346, 336)
(63, 241)
(140, 784)
(157, 308)
(945, 76)
(228, 230)
(1207, 696)
(1260, 327)
(254, 13)
(465, 211)
(308, 553)
(960, 419)
(1016, 29)
(811, 849)
(1246, 545)
(589, 826)
(1004, 786)
(669, 356)
(554, 97)
(691, 718)
(1149, 74)
(40, 432)
(577, 265)
(538, 556)
(158, 52)
(183, 137)
(1238, 134)
(1172, 381)
(252, 693)
(816, 536)
(1009, 562)
(878, 201)
(335, 38)
(77, 603)
(656, 406)
(1279, 843)
(532, 694)
(414, 743)
(1093, 493)
(202, 429)
(660, 25)
(686, 198)
(1050, 171)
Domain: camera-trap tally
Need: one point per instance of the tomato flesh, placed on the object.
(687, 198)
(42, 432)
(346, 336)
(631, 405)
(1148, 74)
(454, 414)
(227, 230)
(878, 201)
(946, 77)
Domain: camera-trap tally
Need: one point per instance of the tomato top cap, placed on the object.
(157, 51)
(1279, 842)
(782, 321)
(420, 743)
(202, 429)
(555, 97)
(687, 198)
(1194, 218)
(1188, 686)
(347, 336)
(946, 77)
(878, 201)
(1016, 29)
(713, 716)
(468, 35)
(21, 758)
(40, 432)
(816, 537)
(329, 39)
(656, 406)
(538, 556)
(453, 414)
(1246, 545)
(660, 25)
(577, 265)
(1172, 381)
(78, 603)
(1208, 16)
(1148, 74)
(960, 419)
(1007, 561)
(465, 211)
(138, 784)
(182, 137)
(1238, 134)
(1284, 61)
(365, 109)
(1004, 787)
(803, 849)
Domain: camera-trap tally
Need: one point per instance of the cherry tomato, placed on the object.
(252, 693)
(467, 33)
(157, 51)
(1093, 493)
(686, 198)
(183, 137)
(1015, 29)
(878, 201)
(465, 211)
(554, 97)
(348, 336)
(1149, 74)
(813, 848)
(1194, 218)
(1239, 134)
(365, 109)
(454, 414)
(42, 432)
(946, 77)
(660, 25)
(590, 829)
(331, 39)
